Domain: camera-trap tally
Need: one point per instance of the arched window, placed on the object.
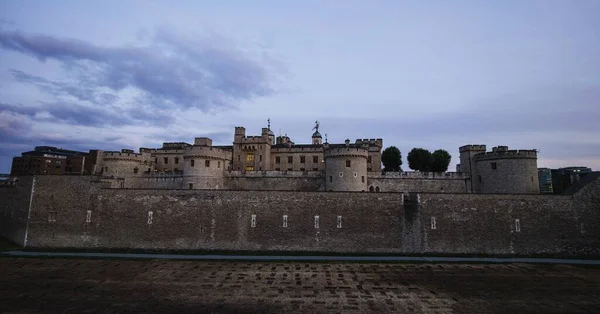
(371, 189)
(376, 189)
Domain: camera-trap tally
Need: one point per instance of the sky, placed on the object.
(431, 74)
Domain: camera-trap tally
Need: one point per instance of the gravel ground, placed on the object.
(31, 285)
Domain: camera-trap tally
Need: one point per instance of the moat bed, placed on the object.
(40, 285)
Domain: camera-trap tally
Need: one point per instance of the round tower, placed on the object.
(203, 166)
(125, 163)
(507, 171)
(346, 168)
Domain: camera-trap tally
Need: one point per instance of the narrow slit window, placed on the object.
(433, 225)
(88, 217)
(316, 222)
(285, 219)
(150, 217)
(253, 221)
(339, 222)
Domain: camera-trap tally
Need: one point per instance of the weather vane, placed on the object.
(269, 123)
(325, 137)
(316, 126)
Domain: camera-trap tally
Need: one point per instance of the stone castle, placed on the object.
(267, 162)
(266, 193)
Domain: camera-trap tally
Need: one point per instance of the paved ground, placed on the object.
(29, 285)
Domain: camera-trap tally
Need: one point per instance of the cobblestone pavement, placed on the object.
(29, 285)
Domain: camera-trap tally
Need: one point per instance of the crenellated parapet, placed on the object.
(125, 163)
(507, 154)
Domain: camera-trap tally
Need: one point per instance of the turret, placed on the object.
(346, 168)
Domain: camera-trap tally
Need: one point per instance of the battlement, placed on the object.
(273, 174)
(345, 151)
(125, 154)
(506, 154)
(371, 142)
(419, 175)
(471, 147)
(175, 145)
(206, 152)
(202, 141)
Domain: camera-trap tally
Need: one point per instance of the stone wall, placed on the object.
(434, 223)
(14, 209)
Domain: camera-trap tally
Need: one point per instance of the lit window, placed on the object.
(250, 157)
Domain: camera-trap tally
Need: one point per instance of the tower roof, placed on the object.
(317, 134)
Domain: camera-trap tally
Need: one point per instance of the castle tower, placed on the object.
(507, 171)
(316, 137)
(467, 164)
(346, 168)
(203, 165)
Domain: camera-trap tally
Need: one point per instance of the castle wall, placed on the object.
(309, 154)
(14, 209)
(433, 223)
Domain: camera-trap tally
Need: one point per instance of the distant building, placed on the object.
(545, 178)
(562, 178)
(50, 160)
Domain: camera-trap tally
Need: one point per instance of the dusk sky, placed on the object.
(434, 74)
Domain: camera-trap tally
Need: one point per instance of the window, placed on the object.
(253, 221)
(207, 163)
(302, 169)
(376, 189)
(339, 222)
(369, 159)
(191, 162)
(218, 164)
(316, 222)
(315, 169)
(238, 157)
(433, 226)
(88, 217)
(176, 160)
(250, 157)
(190, 186)
(290, 159)
(155, 160)
(494, 166)
(302, 159)
(52, 217)
(362, 179)
(249, 168)
(150, 216)
(341, 174)
(347, 163)
(285, 221)
(355, 174)
(289, 169)
(479, 177)
(166, 160)
(315, 159)
(259, 157)
(369, 169)
(277, 160)
(330, 178)
(135, 170)
(517, 225)
(371, 189)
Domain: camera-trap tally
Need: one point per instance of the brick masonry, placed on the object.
(73, 211)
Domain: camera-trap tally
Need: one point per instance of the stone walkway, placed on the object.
(30, 285)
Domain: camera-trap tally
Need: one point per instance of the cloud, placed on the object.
(173, 71)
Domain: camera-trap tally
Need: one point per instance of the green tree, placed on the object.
(440, 160)
(419, 159)
(391, 159)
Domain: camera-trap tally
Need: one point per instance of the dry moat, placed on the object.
(30, 285)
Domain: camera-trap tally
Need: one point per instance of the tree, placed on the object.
(440, 160)
(419, 159)
(391, 159)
